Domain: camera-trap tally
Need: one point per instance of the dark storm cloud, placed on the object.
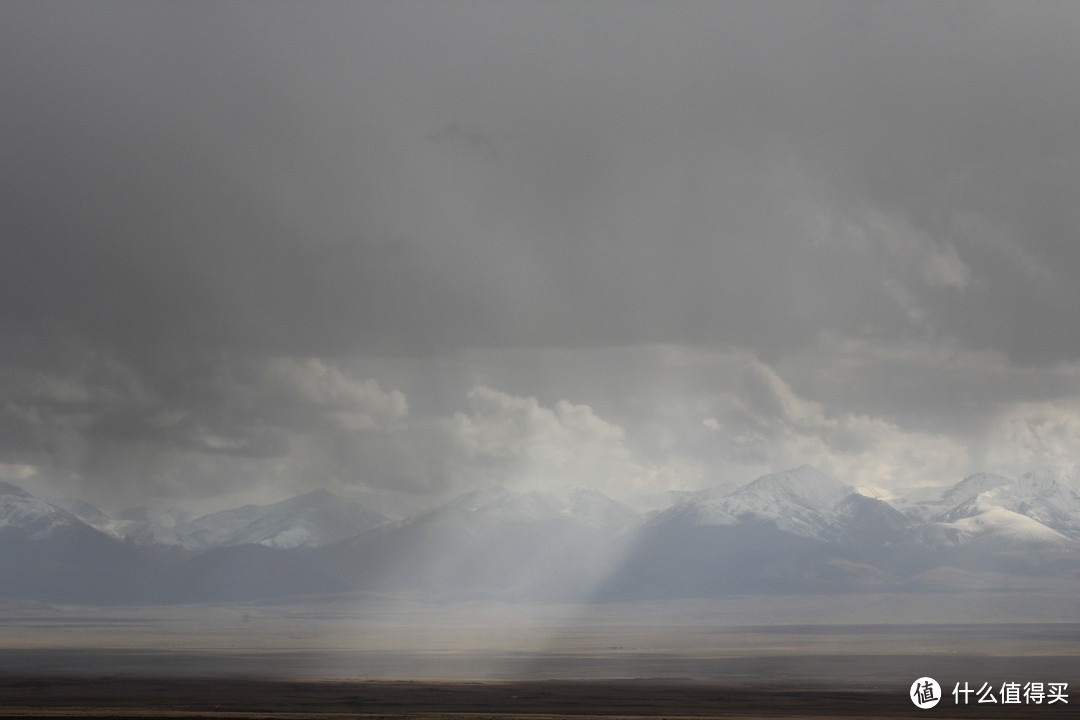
(961, 124)
(184, 432)
(189, 176)
(192, 192)
(165, 192)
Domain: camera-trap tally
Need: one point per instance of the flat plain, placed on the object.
(842, 656)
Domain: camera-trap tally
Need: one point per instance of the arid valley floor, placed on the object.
(839, 656)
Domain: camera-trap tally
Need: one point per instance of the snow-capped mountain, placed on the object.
(140, 525)
(972, 486)
(797, 530)
(924, 504)
(316, 518)
(803, 502)
(47, 553)
(995, 527)
(799, 501)
(31, 518)
(1050, 496)
(148, 527)
(787, 532)
(81, 509)
(802, 487)
(1041, 507)
(493, 541)
(219, 528)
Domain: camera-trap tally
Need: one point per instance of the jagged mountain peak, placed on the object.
(694, 511)
(24, 513)
(972, 486)
(783, 531)
(1046, 482)
(82, 509)
(1042, 506)
(316, 518)
(801, 501)
(1048, 490)
(804, 485)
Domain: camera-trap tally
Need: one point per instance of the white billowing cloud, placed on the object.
(505, 426)
(765, 422)
(1029, 435)
(357, 404)
(517, 441)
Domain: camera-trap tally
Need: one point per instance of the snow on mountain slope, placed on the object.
(218, 529)
(1044, 497)
(149, 527)
(317, 518)
(996, 528)
(695, 511)
(31, 517)
(795, 499)
(1005, 524)
(658, 502)
(790, 532)
(801, 501)
(46, 553)
(973, 486)
(1038, 508)
(1049, 496)
(143, 526)
(927, 503)
(81, 509)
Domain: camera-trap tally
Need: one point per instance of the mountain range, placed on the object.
(790, 532)
(316, 518)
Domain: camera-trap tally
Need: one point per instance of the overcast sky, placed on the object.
(249, 249)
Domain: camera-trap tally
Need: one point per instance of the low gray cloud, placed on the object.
(194, 196)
